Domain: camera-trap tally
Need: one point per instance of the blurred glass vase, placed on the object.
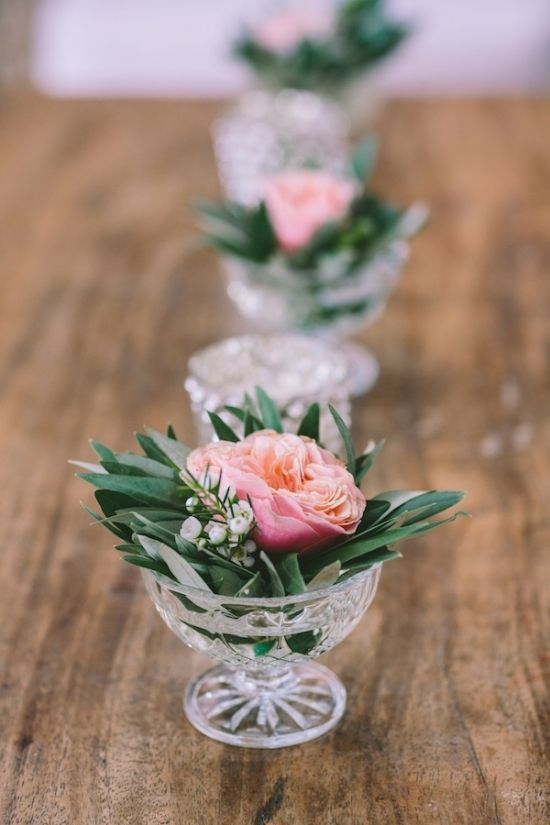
(299, 370)
(266, 693)
(325, 302)
(266, 132)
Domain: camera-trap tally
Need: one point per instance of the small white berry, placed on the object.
(244, 508)
(239, 525)
(218, 534)
(191, 528)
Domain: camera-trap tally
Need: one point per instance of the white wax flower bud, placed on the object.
(244, 506)
(201, 544)
(239, 525)
(248, 562)
(250, 546)
(192, 503)
(191, 528)
(217, 534)
(243, 509)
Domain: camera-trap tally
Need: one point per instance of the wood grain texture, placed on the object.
(103, 298)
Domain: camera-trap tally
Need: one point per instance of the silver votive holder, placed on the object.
(296, 370)
(266, 132)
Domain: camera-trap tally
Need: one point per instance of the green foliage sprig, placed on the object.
(164, 517)
(362, 36)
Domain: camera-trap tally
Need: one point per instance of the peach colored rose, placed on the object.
(283, 31)
(303, 497)
(300, 202)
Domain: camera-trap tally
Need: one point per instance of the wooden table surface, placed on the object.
(103, 298)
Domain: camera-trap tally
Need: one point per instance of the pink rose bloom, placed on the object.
(300, 202)
(285, 30)
(303, 497)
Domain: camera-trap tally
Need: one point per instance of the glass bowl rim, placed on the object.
(263, 601)
(198, 373)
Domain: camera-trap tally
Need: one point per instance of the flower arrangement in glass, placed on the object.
(331, 53)
(320, 253)
(262, 553)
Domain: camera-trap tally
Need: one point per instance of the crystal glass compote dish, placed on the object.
(323, 302)
(265, 692)
(267, 131)
(299, 370)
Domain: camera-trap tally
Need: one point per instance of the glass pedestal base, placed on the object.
(363, 369)
(269, 709)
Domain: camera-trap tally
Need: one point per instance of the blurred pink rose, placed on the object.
(303, 497)
(285, 30)
(300, 202)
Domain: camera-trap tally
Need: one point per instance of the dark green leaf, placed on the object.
(363, 159)
(242, 414)
(249, 425)
(268, 410)
(325, 577)
(172, 449)
(356, 547)
(343, 429)
(225, 581)
(111, 502)
(180, 568)
(290, 574)
(304, 642)
(101, 450)
(368, 561)
(276, 583)
(374, 512)
(119, 532)
(149, 564)
(309, 424)
(253, 588)
(261, 231)
(149, 466)
(114, 468)
(147, 490)
(263, 648)
(428, 504)
(151, 450)
(142, 524)
(222, 430)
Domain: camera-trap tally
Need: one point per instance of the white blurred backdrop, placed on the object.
(177, 48)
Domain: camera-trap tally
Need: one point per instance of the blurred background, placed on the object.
(173, 48)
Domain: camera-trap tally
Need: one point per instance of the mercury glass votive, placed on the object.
(297, 369)
(266, 132)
